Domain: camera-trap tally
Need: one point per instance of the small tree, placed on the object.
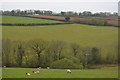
(86, 57)
(96, 57)
(38, 46)
(75, 49)
(6, 50)
(19, 51)
(62, 13)
(67, 19)
(56, 47)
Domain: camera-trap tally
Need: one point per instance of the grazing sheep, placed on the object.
(34, 72)
(48, 67)
(68, 71)
(37, 72)
(39, 68)
(27, 74)
(4, 66)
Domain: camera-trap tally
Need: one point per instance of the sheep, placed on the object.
(4, 66)
(39, 68)
(28, 74)
(48, 67)
(36, 72)
(68, 71)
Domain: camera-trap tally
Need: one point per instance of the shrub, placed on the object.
(75, 60)
(64, 64)
(67, 19)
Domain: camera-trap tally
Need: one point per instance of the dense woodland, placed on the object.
(55, 54)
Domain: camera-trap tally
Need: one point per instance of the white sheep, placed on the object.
(37, 72)
(68, 71)
(39, 68)
(4, 66)
(28, 74)
(34, 72)
(48, 67)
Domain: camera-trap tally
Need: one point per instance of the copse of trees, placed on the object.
(67, 19)
(55, 54)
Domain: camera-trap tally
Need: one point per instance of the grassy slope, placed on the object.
(16, 19)
(82, 34)
(60, 73)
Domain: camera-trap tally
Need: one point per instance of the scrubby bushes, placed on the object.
(65, 64)
(56, 54)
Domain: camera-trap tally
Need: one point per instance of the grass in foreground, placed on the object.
(23, 20)
(60, 73)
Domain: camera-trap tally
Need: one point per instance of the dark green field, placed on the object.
(22, 20)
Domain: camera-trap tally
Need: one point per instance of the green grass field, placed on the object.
(108, 72)
(22, 20)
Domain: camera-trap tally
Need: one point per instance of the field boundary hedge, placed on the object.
(44, 18)
(33, 24)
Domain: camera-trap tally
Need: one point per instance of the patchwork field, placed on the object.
(60, 73)
(18, 20)
(111, 20)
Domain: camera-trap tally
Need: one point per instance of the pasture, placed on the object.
(106, 72)
(25, 20)
(85, 35)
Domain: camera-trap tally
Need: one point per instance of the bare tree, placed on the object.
(19, 51)
(75, 48)
(6, 49)
(38, 46)
(86, 56)
(56, 47)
